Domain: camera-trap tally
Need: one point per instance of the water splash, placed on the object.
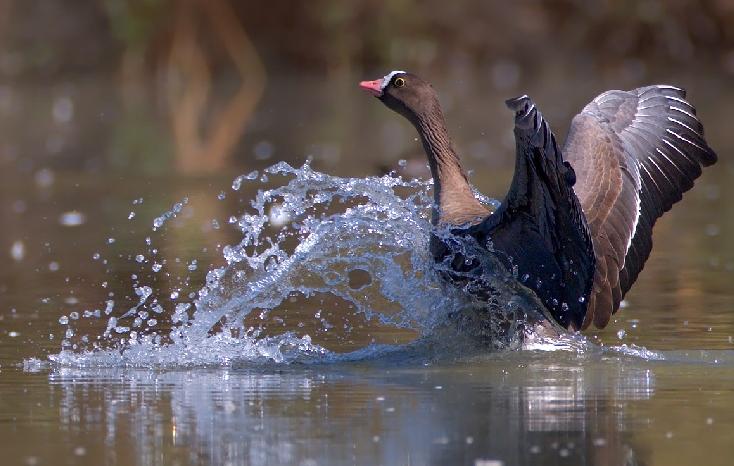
(311, 242)
(359, 242)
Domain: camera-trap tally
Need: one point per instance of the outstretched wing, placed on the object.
(539, 229)
(635, 153)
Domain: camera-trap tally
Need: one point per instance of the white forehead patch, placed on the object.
(388, 77)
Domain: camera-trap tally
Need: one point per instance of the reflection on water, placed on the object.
(516, 409)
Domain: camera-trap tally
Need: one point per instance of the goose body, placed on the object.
(576, 224)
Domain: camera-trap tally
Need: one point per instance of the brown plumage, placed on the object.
(576, 225)
(635, 153)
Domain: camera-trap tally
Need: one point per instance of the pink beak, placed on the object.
(373, 87)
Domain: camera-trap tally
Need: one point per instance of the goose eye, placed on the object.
(399, 82)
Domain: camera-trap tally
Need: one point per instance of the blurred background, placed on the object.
(111, 111)
(192, 87)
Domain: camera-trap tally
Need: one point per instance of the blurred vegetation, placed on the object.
(160, 85)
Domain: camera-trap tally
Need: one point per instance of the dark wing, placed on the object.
(635, 153)
(539, 230)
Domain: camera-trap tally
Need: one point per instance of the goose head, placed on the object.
(404, 93)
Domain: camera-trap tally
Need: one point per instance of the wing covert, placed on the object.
(635, 153)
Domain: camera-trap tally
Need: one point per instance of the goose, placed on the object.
(576, 224)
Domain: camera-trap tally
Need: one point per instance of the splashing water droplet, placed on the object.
(72, 218)
(368, 237)
(17, 251)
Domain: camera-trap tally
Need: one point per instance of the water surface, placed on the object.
(312, 367)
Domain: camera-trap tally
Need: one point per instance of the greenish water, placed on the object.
(673, 404)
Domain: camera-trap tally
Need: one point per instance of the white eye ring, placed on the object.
(399, 82)
(386, 79)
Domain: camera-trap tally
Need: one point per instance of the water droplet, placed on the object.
(156, 267)
(72, 218)
(621, 334)
(131, 215)
(63, 320)
(17, 251)
(278, 215)
(140, 258)
(221, 196)
(179, 313)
